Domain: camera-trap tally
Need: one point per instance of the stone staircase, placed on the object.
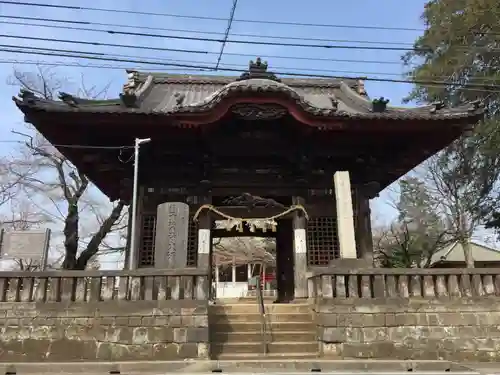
(235, 331)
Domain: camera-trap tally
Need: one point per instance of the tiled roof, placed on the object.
(170, 95)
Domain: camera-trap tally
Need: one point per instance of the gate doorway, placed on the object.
(237, 260)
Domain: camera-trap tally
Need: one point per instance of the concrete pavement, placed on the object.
(340, 367)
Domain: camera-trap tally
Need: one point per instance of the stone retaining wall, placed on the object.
(466, 329)
(103, 331)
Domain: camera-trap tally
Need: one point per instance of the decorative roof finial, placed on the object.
(258, 70)
(379, 105)
(179, 98)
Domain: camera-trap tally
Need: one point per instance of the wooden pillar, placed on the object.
(364, 229)
(135, 247)
(300, 251)
(217, 276)
(233, 273)
(204, 237)
(345, 222)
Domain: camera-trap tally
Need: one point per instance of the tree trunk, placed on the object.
(93, 246)
(71, 236)
(469, 260)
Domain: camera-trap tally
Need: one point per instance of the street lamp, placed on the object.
(137, 145)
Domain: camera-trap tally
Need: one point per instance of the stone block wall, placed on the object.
(103, 331)
(465, 329)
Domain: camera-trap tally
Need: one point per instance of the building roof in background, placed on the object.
(455, 253)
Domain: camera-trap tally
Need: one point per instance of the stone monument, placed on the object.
(172, 224)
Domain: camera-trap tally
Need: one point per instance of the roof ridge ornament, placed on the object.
(476, 105)
(258, 70)
(360, 89)
(131, 85)
(27, 96)
(128, 99)
(334, 102)
(68, 99)
(380, 104)
(179, 98)
(437, 105)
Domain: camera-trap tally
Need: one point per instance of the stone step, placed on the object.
(243, 308)
(310, 347)
(279, 336)
(243, 327)
(240, 357)
(256, 317)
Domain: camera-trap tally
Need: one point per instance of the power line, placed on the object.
(240, 67)
(226, 34)
(163, 60)
(293, 74)
(157, 14)
(256, 42)
(270, 22)
(141, 27)
(114, 67)
(384, 46)
(93, 43)
(91, 66)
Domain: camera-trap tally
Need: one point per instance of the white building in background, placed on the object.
(239, 281)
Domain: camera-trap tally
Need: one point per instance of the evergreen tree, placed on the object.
(461, 46)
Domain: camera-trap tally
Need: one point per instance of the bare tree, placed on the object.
(27, 265)
(42, 171)
(459, 195)
(419, 230)
(401, 245)
(444, 204)
(244, 250)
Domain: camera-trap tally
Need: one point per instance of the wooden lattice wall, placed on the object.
(147, 242)
(322, 236)
(322, 240)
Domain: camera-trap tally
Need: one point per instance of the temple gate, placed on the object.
(319, 146)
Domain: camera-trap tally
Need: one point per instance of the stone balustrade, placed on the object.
(150, 314)
(340, 283)
(421, 314)
(99, 286)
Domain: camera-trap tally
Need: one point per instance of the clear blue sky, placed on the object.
(393, 13)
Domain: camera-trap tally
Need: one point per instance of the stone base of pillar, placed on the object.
(300, 275)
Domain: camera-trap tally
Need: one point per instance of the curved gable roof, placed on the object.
(184, 95)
